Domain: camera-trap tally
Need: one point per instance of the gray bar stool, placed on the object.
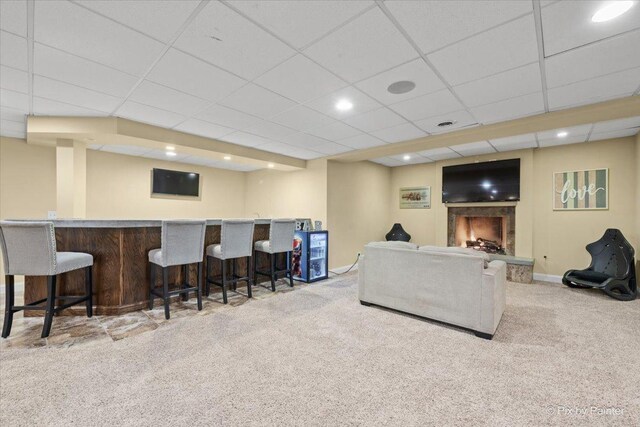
(29, 249)
(236, 237)
(281, 234)
(182, 244)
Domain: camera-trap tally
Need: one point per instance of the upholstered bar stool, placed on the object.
(182, 244)
(29, 249)
(280, 240)
(236, 237)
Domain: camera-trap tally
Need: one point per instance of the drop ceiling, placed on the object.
(267, 74)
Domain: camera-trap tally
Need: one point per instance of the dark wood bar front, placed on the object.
(121, 268)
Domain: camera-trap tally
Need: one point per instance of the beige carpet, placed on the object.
(317, 357)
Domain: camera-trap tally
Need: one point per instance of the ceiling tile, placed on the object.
(375, 120)
(13, 17)
(246, 139)
(237, 120)
(13, 51)
(300, 79)
(331, 148)
(221, 36)
(414, 159)
(74, 95)
(162, 155)
(460, 119)
(253, 99)
(575, 134)
(510, 109)
(473, 148)
(613, 134)
(162, 97)
(302, 118)
(300, 23)
(442, 153)
(16, 100)
(613, 125)
(567, 25)
(565, 141)
(595, 90)
(430, 105)
(9, 126)
(509, 84)
(48, 107)
(327, 104)
(434, 24)
(76, 30)
(310, 142)
(608, 56)
(202, 128)
(146, 114)
(403, 132)
(288, 150)
(159, 19)
(130, 150)
(12, 115)
(193, 76)
(517, 142)
(81, 72)
(416, 71)
(334, 131)
(13, 79)
(387, 161)
(507, 46)
(363, 47)
(361, 141)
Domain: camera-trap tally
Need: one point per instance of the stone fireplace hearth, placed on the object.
(488, 229)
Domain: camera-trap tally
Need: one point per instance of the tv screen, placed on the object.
(175, 183)
(497, 181)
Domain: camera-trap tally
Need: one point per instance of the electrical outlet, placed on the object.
(51, 215)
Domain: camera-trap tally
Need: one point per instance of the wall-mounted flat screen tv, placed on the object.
(175, 183)
(497, 181)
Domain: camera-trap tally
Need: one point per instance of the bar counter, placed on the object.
(121, 268)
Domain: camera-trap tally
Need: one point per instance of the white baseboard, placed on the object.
(547, 278)
(344, 268)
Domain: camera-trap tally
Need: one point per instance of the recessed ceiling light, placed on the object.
(270, 165)
(171, 148)
(170, 154)
(344, 105)
(406, 157)
(446, 123)
(611, 10)
(562, 134)
(227, 157)
(401, 87)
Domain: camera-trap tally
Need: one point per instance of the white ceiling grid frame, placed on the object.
(537, 16)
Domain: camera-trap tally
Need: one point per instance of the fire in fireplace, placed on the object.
(482, 233)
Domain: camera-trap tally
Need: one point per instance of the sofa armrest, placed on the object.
(361, 270)
(494, 283)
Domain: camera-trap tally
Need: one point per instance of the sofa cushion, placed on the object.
(457, 250)
(394, 244)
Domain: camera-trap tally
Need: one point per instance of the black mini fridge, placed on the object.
(310, 260)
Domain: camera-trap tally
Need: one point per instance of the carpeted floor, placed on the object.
(315, 356)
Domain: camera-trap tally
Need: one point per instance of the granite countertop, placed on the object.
(122, 223)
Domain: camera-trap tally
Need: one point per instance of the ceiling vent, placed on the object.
(401, 87)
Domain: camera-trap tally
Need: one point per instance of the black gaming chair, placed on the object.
(612, 268)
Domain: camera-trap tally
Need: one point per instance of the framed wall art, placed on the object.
(581, 190)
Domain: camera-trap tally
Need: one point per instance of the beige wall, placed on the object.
(300, 194)
(119, 186)
(357, 208)
(563, 235)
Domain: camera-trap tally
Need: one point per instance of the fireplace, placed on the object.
(488, 229)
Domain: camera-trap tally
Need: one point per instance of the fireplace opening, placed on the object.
(482, 233)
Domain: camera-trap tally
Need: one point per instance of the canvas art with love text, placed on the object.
(584, 189)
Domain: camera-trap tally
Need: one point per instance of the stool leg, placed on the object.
(248, 279)
(152, 283)
(199, 285)
(165, 289)
(185, 281)
(273, 271)
(255, 267)
(8, 305)
(289, 259)
(224, 280)
(207, 269)
(88, 282)
(234, 268)
(50, 307)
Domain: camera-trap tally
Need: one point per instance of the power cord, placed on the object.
(345, 272)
